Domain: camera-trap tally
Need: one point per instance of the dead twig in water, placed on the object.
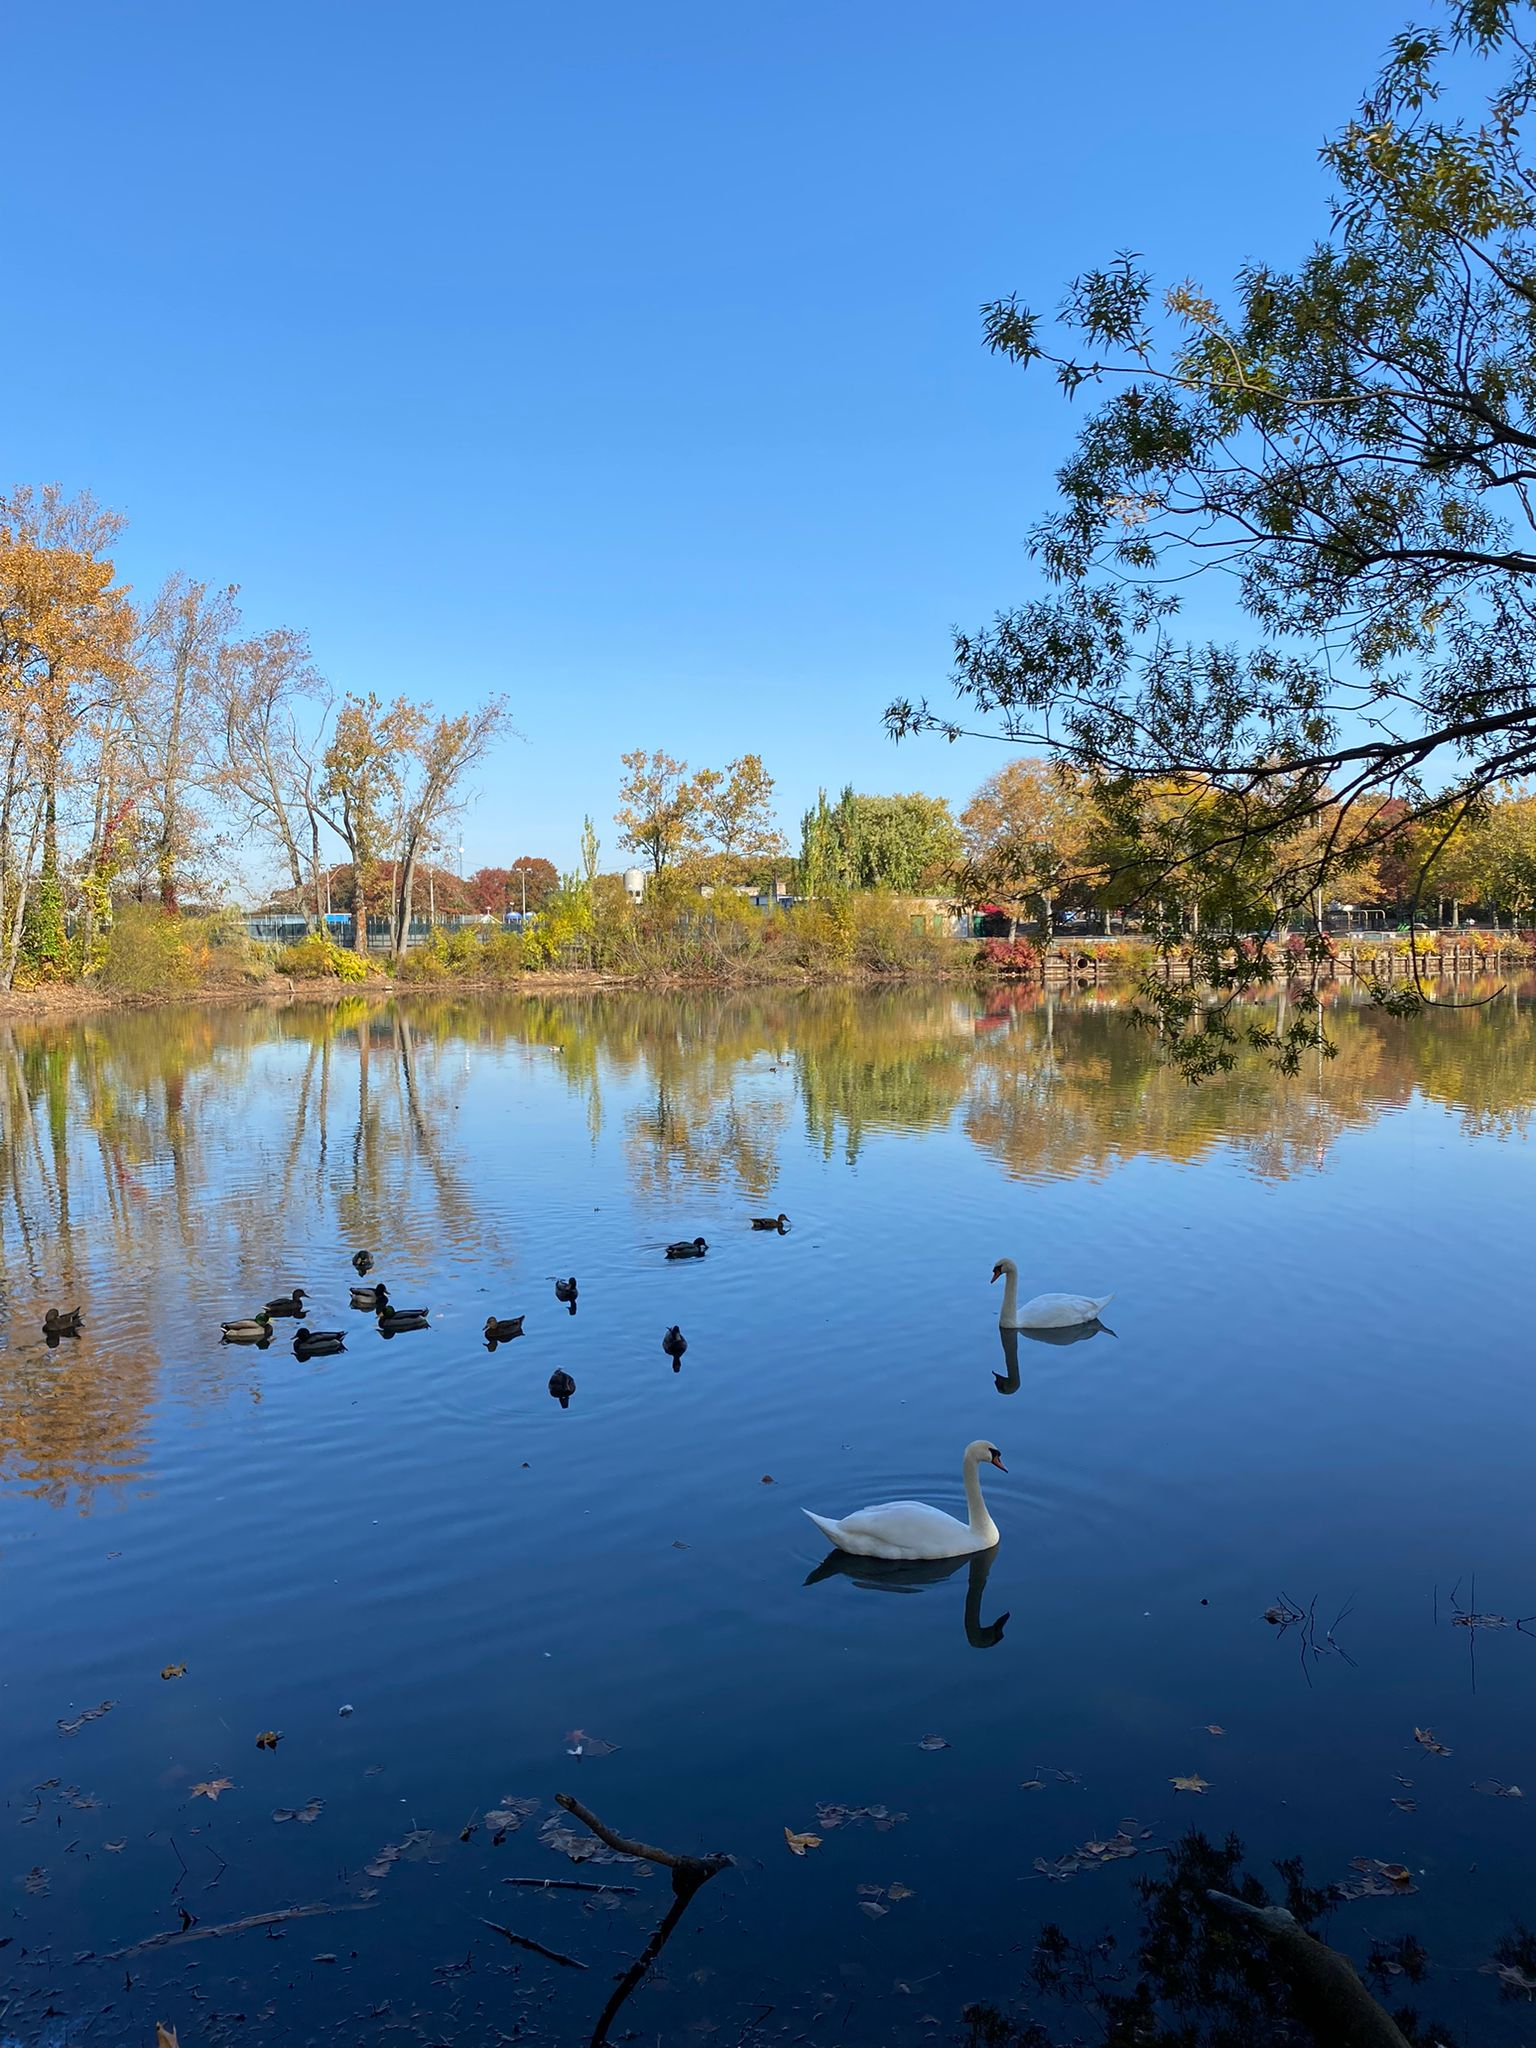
(169, 1937)
(688, 1874)
(695, 1868)
(527, 1941)
(568, 1884)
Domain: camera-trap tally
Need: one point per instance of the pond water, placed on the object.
(451, 1595)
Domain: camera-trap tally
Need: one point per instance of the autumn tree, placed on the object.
(179, 654)
(1504, 852)
(1345, 444)
(436, 758)
(658, 806)
(733, 811)
(1029, 834)
(66, 636)
(361, 787)
(268, 715)
(531, 881)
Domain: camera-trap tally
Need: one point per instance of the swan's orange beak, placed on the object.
(997, 1461)
(997, 1272)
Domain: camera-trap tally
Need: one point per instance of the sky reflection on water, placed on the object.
(1317, 1382)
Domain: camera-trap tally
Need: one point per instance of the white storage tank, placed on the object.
(634, 884)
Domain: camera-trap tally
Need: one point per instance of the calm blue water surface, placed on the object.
(1320, 1383)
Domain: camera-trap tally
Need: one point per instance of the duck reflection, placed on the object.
(884, 1575)
(1008, 1382)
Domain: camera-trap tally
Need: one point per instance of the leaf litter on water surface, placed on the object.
(173, 1671)
(798, 1844)
(305, 1815)
(831, 1816)
(90, 1714)
(115, 1848)
(210, 1788)
(1125, 1841)
(1375, 1880)
(581, 1744)
(1194, 1783)
(391, 1853)
(269, 1738)
(1495, 1790)
(1427, 1739)
(932, 1742)
(581, 1847)
(508, 1815)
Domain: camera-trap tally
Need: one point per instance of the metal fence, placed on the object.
(286, 928)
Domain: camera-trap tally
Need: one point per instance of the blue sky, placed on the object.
(625, 359)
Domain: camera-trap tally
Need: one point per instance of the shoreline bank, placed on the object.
(1064, 970)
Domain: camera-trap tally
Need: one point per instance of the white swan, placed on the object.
(912, 1529)
(1046, 1311)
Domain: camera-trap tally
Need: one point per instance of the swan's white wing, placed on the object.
(1059, 1311)
(899, 1528)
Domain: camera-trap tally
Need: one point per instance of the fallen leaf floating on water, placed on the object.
(90, 1714)
(210, 1788)
(582, 1847)
(830, 1816)
(115, 1848)
(269, 1738)
(174, 1671)
(580, 1743)
(1406, 1805)
(1376, 1880)
(1479, 1621)
(798, 1844)
(507, 1817)
(873, 1908)
(1425, 1738)
(767, 1479)
(933, 1742)
(899, 1892)
(1495, 1790)
(165, 2037)
(305, 1815)
(1511, 1976)
(1194, 1784)
(1125, 1841)
(1214, 1728)
(87, 1802)
(36, 1882)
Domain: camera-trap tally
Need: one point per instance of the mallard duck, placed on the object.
(565, 1290)
(62, 1322)
(287, 1304)
(562, 1386)
(674, 1343)
(687, 1248)
(376, 1298)
(362, 1262)
(256, 1329)
(307, 1343)
(502, 1329)
(780, 1223)
(393, 1319)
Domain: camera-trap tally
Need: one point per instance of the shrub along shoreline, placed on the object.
(149, 958)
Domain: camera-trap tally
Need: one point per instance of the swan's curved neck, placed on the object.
(981, 1523)
(1010, 1296)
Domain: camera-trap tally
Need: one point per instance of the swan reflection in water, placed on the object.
(1008, 1382)
(884, 1575)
